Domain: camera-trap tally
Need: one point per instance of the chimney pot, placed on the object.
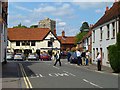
(63, 33)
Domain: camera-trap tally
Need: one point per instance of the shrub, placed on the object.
(114, 55)
(114, 58)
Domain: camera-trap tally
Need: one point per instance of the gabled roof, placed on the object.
(27, 33)
(67, 39)
(112, 13)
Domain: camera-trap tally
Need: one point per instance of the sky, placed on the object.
(69, 16)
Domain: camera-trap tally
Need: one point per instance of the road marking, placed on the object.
(69, 73)
(27, 81)
(115, 74)
(56, 67)
(99, 71)
(92, 83)
(24, 77)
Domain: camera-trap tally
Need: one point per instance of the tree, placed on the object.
(84, 27)
(20, 26)
(79, 36)
(34, 26)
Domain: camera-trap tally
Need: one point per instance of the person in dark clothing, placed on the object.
(58, 57)
(68, 56)
(98, 61)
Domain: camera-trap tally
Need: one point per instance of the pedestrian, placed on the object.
(58, 57)
(83, 56)
(78, 53)
(68, 55)
(98, 61)
(87, 57)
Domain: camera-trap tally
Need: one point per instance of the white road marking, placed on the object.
(115, 74)
(99, 71)
(70, 73)
(56, 67)
(92, 83)
(66, 63)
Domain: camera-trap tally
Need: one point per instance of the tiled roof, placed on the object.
(67, 39)
(112, 13)
(27, 33)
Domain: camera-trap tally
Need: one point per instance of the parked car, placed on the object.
(19, 56)
(73, 58)
(33, 57)
(45, 57)
(10, 56)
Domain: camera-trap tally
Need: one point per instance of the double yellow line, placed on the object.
(26, 80)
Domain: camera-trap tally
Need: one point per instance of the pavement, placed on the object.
(11, 77)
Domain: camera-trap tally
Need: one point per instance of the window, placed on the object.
(93, 36)
(23, 43)
(96, 51)
(50, 44)
(17, 43)
(32, 43)
(101, 33)
(93, 53)
(113, 25)
(108, 32)
(28, 43)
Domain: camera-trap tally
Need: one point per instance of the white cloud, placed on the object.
(98, 11)
(61, 24)
(87, 5)
(23, 8)
(27, 21)
(61, 10)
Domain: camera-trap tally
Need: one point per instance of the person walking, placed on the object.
(98, 61)
(68, 55)
(87, 57)
(58, 57)
(78, 53)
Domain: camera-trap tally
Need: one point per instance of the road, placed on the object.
(43, 74)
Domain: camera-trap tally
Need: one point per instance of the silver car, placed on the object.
(33, 57)
(10, 56)
(18, 56)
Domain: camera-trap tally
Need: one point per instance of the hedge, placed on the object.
(114, 55)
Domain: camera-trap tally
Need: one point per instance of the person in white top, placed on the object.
(87, 57)
(98, 61)
(78, 53)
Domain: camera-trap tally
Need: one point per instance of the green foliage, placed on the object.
(84, 26)
(20, 26)
(79, 36)
(34, 26)
(118, 40)
(114, 55)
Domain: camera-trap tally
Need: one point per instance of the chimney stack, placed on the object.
(107, 8)
(63, 33)
(54, 31)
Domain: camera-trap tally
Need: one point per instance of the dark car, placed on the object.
(73, 58)
(45, 57)
(33, 57)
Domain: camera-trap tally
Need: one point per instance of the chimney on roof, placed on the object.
(107, 8)
(63, 33)
(54, 31)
